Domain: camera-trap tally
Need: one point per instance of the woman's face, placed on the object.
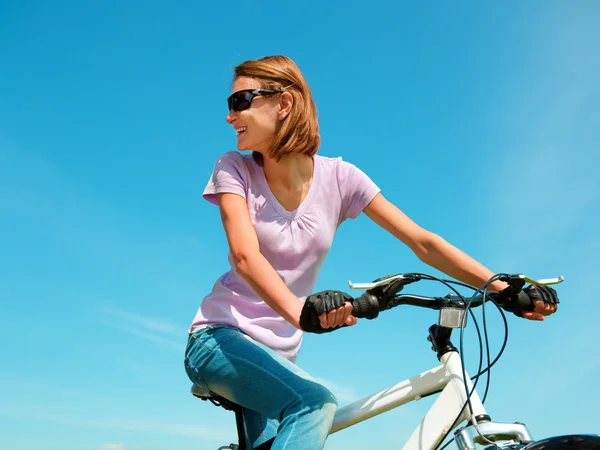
(255, 126)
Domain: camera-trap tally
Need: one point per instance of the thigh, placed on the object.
(259, 428)
(233, 365)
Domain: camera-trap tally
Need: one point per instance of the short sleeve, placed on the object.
(356, 189)
(230, 174)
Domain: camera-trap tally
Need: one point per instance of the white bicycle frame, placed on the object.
(442, 414)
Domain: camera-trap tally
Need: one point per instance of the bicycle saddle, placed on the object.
(201, 392)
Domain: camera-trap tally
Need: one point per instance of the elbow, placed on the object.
(242, 260)
(422, 253)
(425, 246)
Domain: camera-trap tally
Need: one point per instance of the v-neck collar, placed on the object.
(301, 209)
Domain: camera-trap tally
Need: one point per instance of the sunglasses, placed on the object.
(241, 100)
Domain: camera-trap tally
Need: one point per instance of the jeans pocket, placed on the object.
(192, 372)
(203, 343)
(196, 355)
(200, 350)
(210, 336)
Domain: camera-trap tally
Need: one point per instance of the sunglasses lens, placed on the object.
(240, 101)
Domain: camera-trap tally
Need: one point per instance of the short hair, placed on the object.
(299, 131)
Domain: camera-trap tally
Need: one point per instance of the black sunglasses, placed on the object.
(241, 100)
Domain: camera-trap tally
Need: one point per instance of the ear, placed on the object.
(286, 101)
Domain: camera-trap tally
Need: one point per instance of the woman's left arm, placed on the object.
(436, 252)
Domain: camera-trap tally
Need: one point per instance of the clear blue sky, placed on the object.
(480, 121)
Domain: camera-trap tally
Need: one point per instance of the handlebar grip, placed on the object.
(519, 304)
(515, 300)
(524, 302)
(365, 307)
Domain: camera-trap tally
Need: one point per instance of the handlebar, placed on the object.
(363, 306)
(383, 294)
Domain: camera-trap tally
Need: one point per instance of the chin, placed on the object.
(242, 146)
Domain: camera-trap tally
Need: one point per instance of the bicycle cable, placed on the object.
(487, 384)
(483, 290)
(464, 373)
(502, 314)
(461, 346)
(500, 352)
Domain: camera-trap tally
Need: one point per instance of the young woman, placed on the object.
(280, 207)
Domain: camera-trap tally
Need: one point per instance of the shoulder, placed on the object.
(234, 163)
(231, 174)
(234, 158)
(330, 163)
(337, 166)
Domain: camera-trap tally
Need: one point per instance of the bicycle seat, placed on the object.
(201, 392)
(205, 394)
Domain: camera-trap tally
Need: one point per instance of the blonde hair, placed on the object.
(299, 131)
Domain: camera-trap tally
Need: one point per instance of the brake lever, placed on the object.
(520, 279)
(545, 281)
(406, 279)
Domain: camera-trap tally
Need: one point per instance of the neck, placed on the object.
(293, 171)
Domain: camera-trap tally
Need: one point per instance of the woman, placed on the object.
(280, 208)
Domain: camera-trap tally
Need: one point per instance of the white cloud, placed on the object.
(545, 169)
(36, 190)
(151, 328)
(342, 393)
(149, 323)
(112, 447)
(35, 412)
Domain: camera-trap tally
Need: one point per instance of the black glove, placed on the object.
(522, 301)
(317, 304)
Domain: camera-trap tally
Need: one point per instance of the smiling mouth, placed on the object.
(240, 130)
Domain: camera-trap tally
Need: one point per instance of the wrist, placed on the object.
(498, 286)
(293, 313)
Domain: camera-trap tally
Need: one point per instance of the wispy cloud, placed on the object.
(158, 325)
(154, 329)
(34, 412)
(544, 166)
(342, 393)
(112, 447)
(550, 156)
(38, 191)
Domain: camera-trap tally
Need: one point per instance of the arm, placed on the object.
(259, 273)
(436, 252)
(429, 247)
(251, 264)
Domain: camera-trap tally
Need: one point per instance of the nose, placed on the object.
(230, 117)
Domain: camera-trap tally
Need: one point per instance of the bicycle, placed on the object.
(458, 401)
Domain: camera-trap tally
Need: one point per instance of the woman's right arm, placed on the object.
(251, 264)
(259, 273)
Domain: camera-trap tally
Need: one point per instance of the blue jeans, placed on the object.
(279, 399)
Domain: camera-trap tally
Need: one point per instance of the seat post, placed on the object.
(241, 428)
(203, 393)
(244, 439)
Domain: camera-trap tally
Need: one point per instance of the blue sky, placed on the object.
(480, 121)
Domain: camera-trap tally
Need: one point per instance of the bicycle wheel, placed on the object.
(568, 442)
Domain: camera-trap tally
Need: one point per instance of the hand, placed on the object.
(545, 302)
(532, 303)
(326, 311)
(338, 317)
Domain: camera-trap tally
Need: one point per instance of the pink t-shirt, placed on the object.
(294, 242)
